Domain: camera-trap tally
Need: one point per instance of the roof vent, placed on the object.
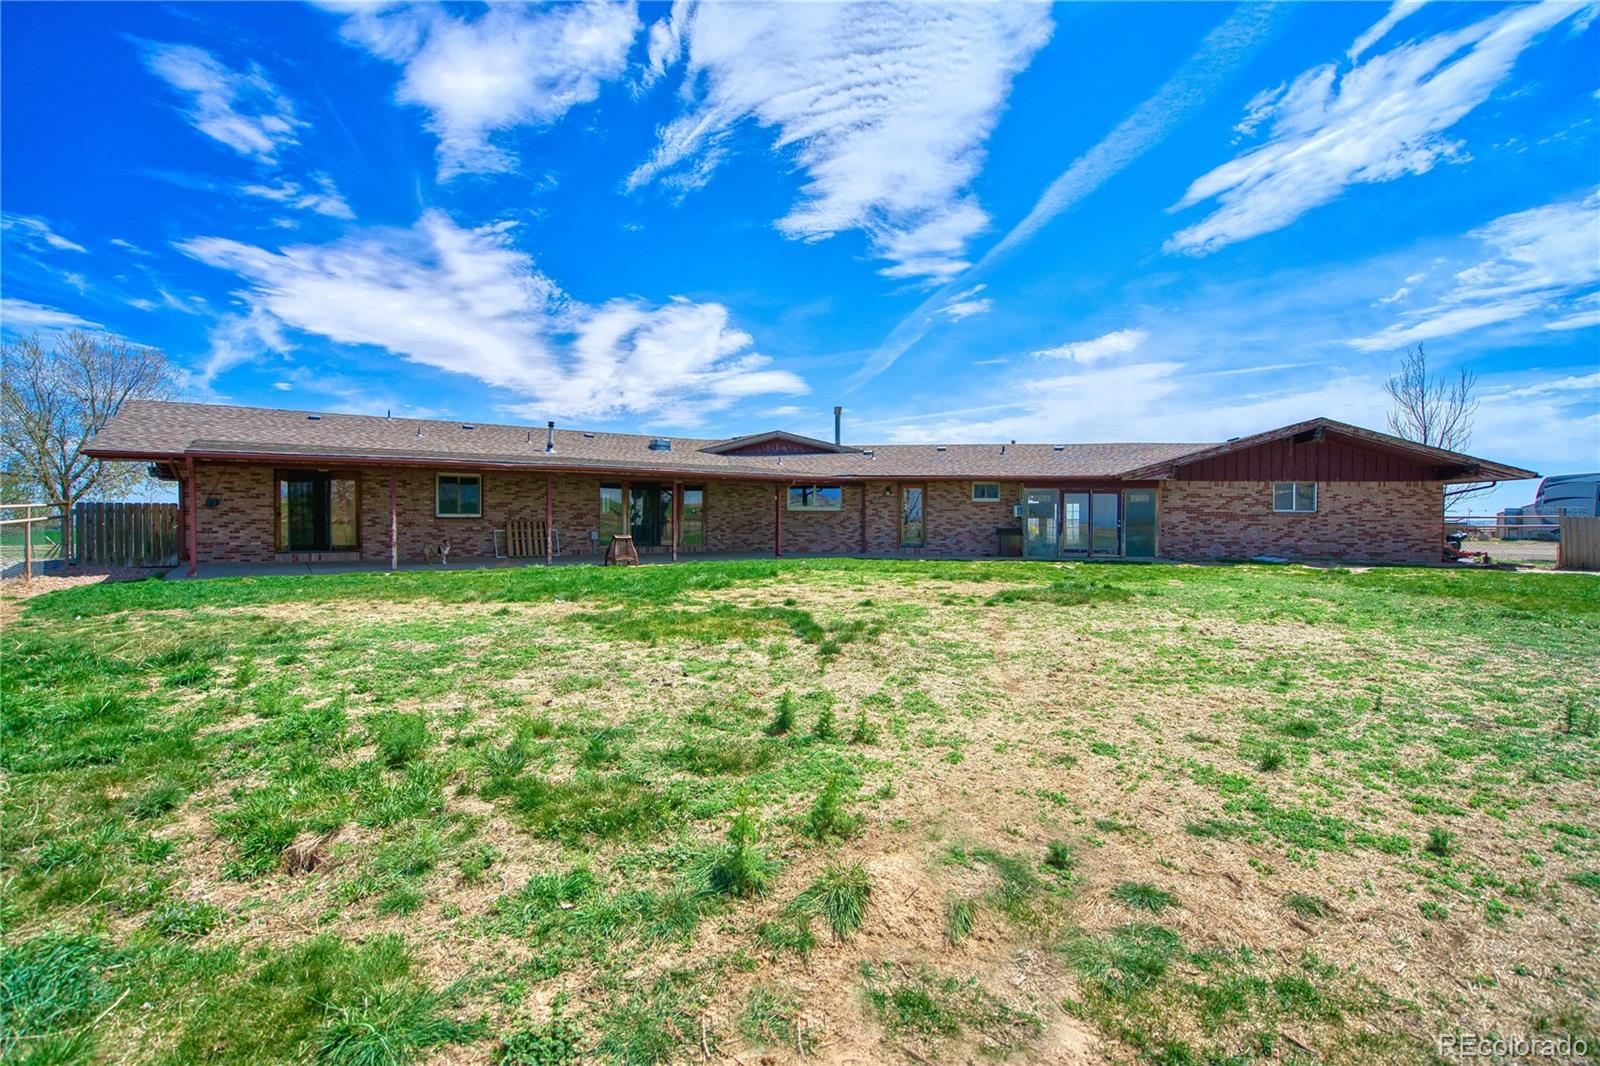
(587, 435)
(660, 444)
(939, 447)
(550, 436)
(313, 418)
(468, 425)
(1058, 447)
(870, 453)
(1232, 439)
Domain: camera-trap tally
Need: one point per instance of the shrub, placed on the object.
(826, 727)
(400, 738)
(1441, 842)
(1058, 855)
(783, 721)
(827, 817)
(739, 867)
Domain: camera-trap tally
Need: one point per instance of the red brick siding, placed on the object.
(1355, 521)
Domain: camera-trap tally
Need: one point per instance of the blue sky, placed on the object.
(1070, 223)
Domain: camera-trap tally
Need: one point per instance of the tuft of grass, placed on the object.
(1589, 879)
(1300, 728)
(1070, 592)
(771, 1018)
(783, 719)
(589, 806)
(1441, 842)
(960, 915)
(1141, 896)
(388, 1026)
(739, 867)
(50, 985)
(1130, 958)
(864, 732)
(930, 1006)
(827, 819)
(1307, 906)
(839, 896)
(1271, 759)
(185, 919)
(155, 801)
(399, 737)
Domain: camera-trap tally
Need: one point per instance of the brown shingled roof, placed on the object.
(158, 430)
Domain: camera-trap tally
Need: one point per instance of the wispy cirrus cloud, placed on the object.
(468, 302)
(967, 303)
(1221, 53)
(1377, 122)
(1397, 13)
(1117, 342)
(320, 194)
(1538, 265)
(241, 109)
(36, 233)
(25, 315)
(884, 107)
(510, 66)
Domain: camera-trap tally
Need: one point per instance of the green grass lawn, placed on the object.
(760, 811)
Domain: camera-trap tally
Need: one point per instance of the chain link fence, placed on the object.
(1523, 540)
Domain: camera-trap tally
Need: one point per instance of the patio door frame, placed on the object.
(1055, 522)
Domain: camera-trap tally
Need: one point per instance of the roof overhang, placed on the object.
(1449, 466)
(810, 444)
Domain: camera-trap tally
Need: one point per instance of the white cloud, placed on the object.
(884, 107)
(36, 233)
(1395, 297)
(1401, 10)
(967, 303)
(19, 315)
(466, 301)
(1118, 342)
(1221, 52)
(1540, 262)
(511, 66)
(1375, 123)
(324, 198)
(241, 109)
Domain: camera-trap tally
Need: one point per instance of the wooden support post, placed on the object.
(677, 515)
(190, 490)
(777, 521)
(27, 545)
(863, 518)
(394, 520)
(549, 519)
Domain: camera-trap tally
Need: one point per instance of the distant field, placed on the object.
(831, 810)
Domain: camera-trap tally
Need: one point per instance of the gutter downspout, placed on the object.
(394, 521)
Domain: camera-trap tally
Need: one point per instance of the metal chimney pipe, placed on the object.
(837, 413)
(550, 436)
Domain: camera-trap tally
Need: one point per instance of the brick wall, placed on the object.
(1355, 521)
(1370, 521)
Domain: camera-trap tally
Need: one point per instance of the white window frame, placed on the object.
(458, 476)
(985, 499)
(836, 506)
(1295, 497)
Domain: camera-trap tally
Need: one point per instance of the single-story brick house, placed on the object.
(259, 485)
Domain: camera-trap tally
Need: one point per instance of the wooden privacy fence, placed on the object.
(126, 534)
(1580, 543)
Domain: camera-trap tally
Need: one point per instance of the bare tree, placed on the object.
(53, 400)
(1434, 409)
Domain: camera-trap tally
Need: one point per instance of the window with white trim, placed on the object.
(458, 496)
(986, 492)
(1294, 497)
(815, 497)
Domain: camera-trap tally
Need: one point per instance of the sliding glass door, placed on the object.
(317, 512)
(1104, 524)
(1139, 523)
(1074, 522)
(1039, 523)
(650, 514)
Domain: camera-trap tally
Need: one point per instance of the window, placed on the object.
(1299, 496)
(693, 533)
(986, 491)
(815, 497)
(610, 512)
(458, 496)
